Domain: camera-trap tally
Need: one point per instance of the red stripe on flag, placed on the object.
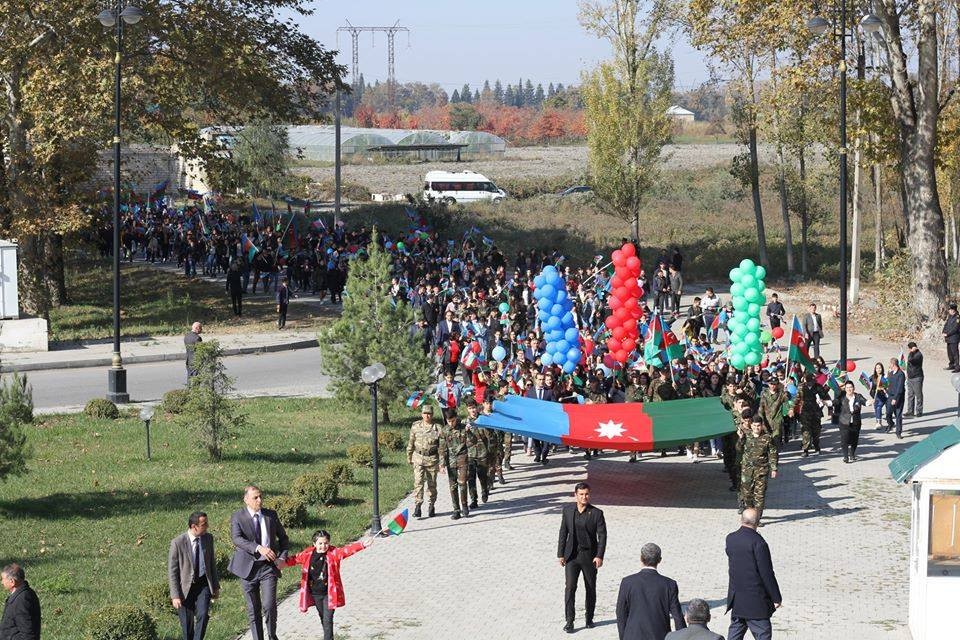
(623, 426)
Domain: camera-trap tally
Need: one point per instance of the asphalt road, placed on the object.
(286, 373)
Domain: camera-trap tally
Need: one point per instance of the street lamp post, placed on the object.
(818, 26)
(113, 16)
(372, 375)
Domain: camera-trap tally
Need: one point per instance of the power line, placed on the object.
(391, 32)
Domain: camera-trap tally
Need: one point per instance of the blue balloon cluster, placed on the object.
(555, 311)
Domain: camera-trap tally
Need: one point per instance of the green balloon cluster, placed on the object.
(746, 336)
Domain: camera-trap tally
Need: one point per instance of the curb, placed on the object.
(159, 357)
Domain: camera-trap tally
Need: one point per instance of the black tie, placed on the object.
(196, 559)
(256, 529)
(539, 394)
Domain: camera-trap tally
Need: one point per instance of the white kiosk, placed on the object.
(932, 467)
(16, 333)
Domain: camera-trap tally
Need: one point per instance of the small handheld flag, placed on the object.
(398, 524)
(865, 379)
(415, 399)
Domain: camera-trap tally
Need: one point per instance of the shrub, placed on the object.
(390, 440)
(16, 410)
(292, 510)
(174, 401)
(222, 551)
(101, 409)
(339, 471)
(120, 622)
(361, 454)
(155, 598)
(316, 488)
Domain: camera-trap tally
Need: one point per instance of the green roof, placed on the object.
(905, 465)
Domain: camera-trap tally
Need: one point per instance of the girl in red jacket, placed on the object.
(320, 583)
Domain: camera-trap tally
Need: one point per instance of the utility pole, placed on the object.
(391, 32)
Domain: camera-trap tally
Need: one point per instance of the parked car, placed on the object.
(577, 189)
(460, 187)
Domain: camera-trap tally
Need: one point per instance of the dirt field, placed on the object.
(518, 162)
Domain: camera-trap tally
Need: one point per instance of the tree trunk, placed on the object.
(804, 215)
(635, 228)
(855, 238)
(755, 190)
(785, 210)
(54, 273)
(926, 234)
(878, 246)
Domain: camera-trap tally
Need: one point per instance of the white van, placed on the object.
(460, 187)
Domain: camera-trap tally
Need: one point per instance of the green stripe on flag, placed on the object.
(677, 422)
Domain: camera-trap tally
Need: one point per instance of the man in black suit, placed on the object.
(541, 392)
(261, 547)
(753, 593)
(813, 329)
(951, 335)
(583, 539)
(448, 327)
(21, 614)
(896, 394)
(648, 600)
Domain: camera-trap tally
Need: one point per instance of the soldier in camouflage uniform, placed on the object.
(635, 392)
(495, 447)
(477, 456)
(811, 414)
(731, 441)
(759, 461)
(772, 404)
(454, 443)
(423, 453)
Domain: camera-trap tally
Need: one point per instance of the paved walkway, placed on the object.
(838, 535)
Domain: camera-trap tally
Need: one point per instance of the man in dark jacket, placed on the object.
(896, 393)
(583, 540)
(283, 302)
(951, 335)
(648, 600)
(753, 593)
(21, 614)
(914, 404)
(235, 288)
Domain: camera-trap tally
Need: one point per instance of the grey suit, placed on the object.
(695, 631)
(814, 331)
(194, 594)
(257, 575)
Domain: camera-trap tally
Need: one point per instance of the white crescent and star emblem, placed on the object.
(610, 429)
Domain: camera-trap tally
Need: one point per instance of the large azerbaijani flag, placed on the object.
(630, 426)
(798, 347)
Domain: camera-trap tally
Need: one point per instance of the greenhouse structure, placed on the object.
(316, 142)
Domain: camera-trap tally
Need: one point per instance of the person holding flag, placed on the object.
(320, 583)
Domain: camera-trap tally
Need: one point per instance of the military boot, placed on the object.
(416, 512)
(431, 511)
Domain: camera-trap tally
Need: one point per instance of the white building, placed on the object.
(932, 467)
(679, 113)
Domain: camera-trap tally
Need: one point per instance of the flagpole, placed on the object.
(596, 273)
(789, 343)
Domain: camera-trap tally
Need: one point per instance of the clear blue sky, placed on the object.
(452, 42)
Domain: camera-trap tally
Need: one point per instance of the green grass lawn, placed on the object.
(92, 520)
(155, 302)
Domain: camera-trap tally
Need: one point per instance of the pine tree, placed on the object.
(551, 90)
(454, 97)
(476, 95)
(465, 94)
(538, 96)
(509, 99)
(16, 410)
(209, 410)
(528, 95)
(519, 93)
(560, 87)
(486, 86)
(498, 92)
(372, 328)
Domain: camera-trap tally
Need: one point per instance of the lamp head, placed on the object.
(146, 412)
(132, 14)
(871, 24)
(818, 25)
(373, 373)
(107, 18)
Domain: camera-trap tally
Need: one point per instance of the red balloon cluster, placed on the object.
(624, 303)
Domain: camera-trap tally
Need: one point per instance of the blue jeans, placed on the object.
(878, 404)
